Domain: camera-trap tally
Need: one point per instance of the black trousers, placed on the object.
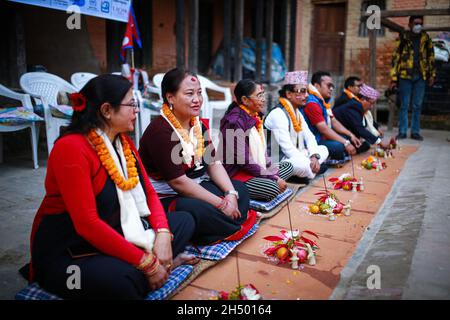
(211, 225)
(337, 150)
(107, 277)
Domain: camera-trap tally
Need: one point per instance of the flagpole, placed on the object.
(132, 58)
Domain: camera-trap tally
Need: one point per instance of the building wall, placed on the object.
(96, 28)
(217, 25)
(357, 48)
(60, 50)
(305, 13)
(164, 37)
(356, 55)
(357, 52)
(437, 20)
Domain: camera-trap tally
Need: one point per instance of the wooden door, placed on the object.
(327, 37)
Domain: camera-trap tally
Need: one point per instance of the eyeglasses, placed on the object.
(301, 91)
(260, 96)
(133, 104)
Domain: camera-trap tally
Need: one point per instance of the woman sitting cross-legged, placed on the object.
(179, 161)
(244, 145)
(101, 219)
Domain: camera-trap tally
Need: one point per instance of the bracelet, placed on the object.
(165, 230)
(153, 269)
(149, 260)
(150, 265)
(222, 205)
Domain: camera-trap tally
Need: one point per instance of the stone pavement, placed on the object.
(21, 192)
(408, 240)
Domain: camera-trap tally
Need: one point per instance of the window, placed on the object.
(363, 31)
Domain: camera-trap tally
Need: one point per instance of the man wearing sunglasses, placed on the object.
(321, 121)
(352, 87)
(289, 137)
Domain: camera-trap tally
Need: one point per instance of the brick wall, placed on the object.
(437, 20)
(164, 38)
(356, 55)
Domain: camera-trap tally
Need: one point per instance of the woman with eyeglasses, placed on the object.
(244, 144)
(180, 159)
(290, 137)
(101, 231)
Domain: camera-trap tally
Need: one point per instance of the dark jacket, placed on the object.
(341, 100)
(351, 115)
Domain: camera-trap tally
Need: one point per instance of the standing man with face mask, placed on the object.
(412, 67)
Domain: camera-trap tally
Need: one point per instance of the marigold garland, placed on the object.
(183, 132)
(351, 95)
(109, 164)
(255, 115)
(327, 105)
(297, 124)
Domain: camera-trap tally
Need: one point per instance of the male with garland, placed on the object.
(352, 115)
(288, 131)
(322, 123)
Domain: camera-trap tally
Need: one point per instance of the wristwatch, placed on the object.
(233, 192)
(316, 155)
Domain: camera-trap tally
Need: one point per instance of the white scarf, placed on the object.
(368, 119)
(188, 149)
(257, 147)
(329, 112)
(133, 203)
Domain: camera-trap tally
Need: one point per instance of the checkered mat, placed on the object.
(268, 206)
(220, 250)
(35, 292)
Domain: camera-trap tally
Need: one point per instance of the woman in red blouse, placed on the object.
(100, 212)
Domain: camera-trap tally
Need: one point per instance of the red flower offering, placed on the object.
(283, 248)
(346, 182)
(242, 292)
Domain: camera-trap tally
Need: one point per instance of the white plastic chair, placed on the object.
(215, 104)
(145, 114)
(34, 128)
(44, 87)
(79, 79)
(208, 106)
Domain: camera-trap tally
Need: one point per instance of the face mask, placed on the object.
(417, 28)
